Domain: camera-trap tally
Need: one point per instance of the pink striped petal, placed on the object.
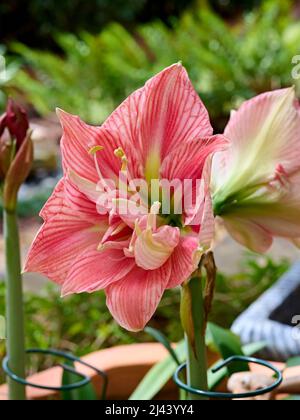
(58, 244)
(94, 270)
(88, 188)
(55, 202)
(162, 115)
(80, 138)
(71, 224)
(184, 260)
(188, 159)
(67, 201)
(152, 250)
(263, 133)
(134, 299)
(277, 210)
(202, 213)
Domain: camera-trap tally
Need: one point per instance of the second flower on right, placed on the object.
(256, 181)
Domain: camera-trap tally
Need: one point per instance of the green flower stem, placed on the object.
(14, 305)
(195, 339)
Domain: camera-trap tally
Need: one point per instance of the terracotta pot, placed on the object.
(125, 366)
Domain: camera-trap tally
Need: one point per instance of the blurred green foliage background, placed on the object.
(228, 60)
(36, 23)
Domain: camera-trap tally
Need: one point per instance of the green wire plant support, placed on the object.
(85, 380)
(229, 396)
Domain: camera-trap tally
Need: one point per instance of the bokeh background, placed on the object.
(86, 57)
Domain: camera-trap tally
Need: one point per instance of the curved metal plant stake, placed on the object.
(75, 385)
(16, 156)
(204, 394)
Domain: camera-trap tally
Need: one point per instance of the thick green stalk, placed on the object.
(14, 305)
(193, 303)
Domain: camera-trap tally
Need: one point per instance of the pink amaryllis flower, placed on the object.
(256, 181)
(87, 243)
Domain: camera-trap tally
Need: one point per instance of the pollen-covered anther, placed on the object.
(95, 149)
(119, 152)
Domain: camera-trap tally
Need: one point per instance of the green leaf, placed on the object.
(161, 338)
(253, 348)
(2, 328)
(228, 344)
(85, 393)
(293, 362)
(158, 375)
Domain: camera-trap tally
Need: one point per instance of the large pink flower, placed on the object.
(87, 243)
(256, 181)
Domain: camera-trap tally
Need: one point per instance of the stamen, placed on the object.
(93, 151)
(123, 175)
(121, 154)
(129, 252)
(118, 229)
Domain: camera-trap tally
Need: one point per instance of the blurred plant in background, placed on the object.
(39, 20)
(230, 8)
(227, 62)
(51, 323)
(8, 69)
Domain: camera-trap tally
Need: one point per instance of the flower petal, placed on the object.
(134, 299)
(152, 250)
(276, 210)
(88, 188)
(57, 245)
(264, 132)
(94, 270)
(71, 224)
(80, 138)
(184, 260)
(163, 114)
(207, 228)
(248, 233)
(188, 159)
(67, 201)
(201, 216)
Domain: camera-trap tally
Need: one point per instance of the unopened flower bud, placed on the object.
(16, 121)
(16, 152)
(17, 173)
